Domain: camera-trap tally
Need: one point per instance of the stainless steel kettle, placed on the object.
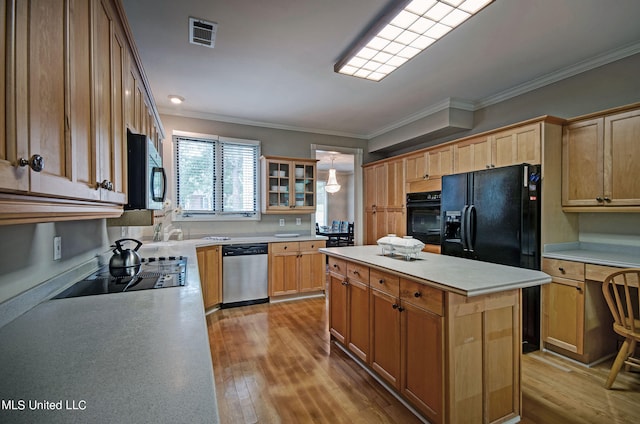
(125, 262)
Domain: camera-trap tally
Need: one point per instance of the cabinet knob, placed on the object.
(425, 176)
(599, 199)
(487, 166)
(285, 248)
(345, 283)
(356, 272)
(395, 306)
(106, 184)
(35, 162)
(606, 199)
(417, 294)
(400, 309)
(335, 266)
(561, 269)
(381, 281)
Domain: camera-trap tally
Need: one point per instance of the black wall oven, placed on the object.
(423, 216)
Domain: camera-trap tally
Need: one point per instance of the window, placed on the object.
(321, 203)
(217, 177)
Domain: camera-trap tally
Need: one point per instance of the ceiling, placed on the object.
(272, 64)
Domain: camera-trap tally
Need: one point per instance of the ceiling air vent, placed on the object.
(202, 33)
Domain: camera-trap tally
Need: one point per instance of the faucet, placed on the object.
(168, 232)
(157, 229)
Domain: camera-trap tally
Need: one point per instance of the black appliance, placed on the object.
(155, 273)
(147, 180)
(493, 215)
(423, 216)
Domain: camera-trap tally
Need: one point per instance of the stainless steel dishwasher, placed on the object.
(244, 274)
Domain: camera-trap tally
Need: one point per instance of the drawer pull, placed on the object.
(417, 294)
(381, 281)
(395, 306)
(356, 272)
(345, 283)
(335, 266)
(562, 270)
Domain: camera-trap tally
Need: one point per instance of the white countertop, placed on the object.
(595, 253)
(124, 357)
(462, 276)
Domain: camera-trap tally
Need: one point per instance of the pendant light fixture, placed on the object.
(332, 185)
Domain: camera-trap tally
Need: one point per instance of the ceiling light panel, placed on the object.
(411, 27)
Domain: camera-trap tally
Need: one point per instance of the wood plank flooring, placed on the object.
(274, 363)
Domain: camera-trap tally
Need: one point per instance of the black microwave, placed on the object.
(147, 181)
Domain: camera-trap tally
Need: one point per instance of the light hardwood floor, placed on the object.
(274, 363)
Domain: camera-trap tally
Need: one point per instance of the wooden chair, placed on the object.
(620, 290)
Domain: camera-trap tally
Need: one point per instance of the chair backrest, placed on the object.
(344, 226)
(317, 228)
(620, 290)
(335, 226)
(350, 231)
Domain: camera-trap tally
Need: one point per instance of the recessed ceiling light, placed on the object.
(408, 27)
(176, 100)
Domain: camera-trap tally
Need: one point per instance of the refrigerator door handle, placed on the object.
(463, 228)
(470, 219)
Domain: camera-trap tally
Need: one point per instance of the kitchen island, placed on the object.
(441, 331)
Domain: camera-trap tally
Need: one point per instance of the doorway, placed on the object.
(345, 203)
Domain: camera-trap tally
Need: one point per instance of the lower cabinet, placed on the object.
(576, 321)
(210, 269)
(349, 309)
(394, 326)
(296, 267)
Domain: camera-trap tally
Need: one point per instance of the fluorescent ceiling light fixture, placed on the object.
(176, 100)
(406, 29)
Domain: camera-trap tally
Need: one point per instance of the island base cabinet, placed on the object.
(349, 314)
(483, 358)
(385, 336)
(421, 373)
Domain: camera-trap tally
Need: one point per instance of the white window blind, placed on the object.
(217, 176)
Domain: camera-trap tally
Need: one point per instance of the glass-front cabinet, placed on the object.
(289, 185)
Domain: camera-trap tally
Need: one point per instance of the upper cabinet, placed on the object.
(600, 157)
(290, 185)
(67, 67)
(430, 164)
(509, 147)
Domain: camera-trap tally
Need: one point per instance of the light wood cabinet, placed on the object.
(289, 185)
(407, 340)
(63, 153)
(210, 270)
(472, 155)
(429, 164)
(575, 318)
(504, 148)
(599, 155)
(516, 145)
(349, 306)
(384, 200)
(296, 267)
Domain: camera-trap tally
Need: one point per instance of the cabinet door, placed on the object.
(358, 319)
(311, 269)
(396, 222)
(210, 276)
(416, 168)
(108, 65)
(582, 163)
(278, 177)
(472, 155)
(422, 360)
(440, 162)
(304, 186)
(515, 146)
(622, 159)
(385, 336)
(563, 314)
(338, 307)
(375, 182)
(395, 184)
(371, 224)
(12, 147)
(284, 274)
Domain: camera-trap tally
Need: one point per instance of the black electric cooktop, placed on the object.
(154, 273)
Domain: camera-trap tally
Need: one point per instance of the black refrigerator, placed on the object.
(493, 215)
